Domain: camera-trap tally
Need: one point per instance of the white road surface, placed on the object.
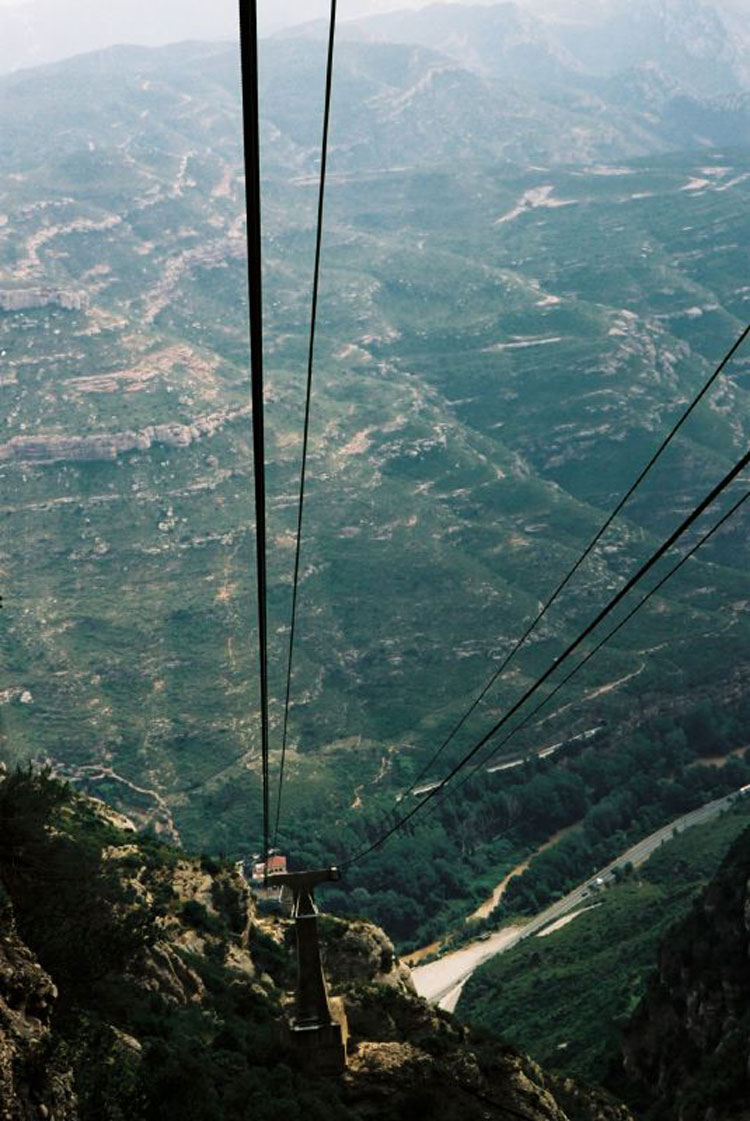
(441, 981)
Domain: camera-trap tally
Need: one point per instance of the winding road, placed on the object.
(441, 981)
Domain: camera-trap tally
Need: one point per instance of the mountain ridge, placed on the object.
(691, 38)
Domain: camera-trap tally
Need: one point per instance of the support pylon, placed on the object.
(318, 1030)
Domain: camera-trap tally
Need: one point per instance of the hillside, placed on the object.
(685, 1052)
(138, 982)
(488, 377)
(568, 995)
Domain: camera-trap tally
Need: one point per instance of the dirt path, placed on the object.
(486, 909)
(97, 772)
(719, 760)
(613, 684)
(420, 955)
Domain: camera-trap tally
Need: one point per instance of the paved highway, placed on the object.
(441, 981)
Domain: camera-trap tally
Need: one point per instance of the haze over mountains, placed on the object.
(523, 281)
(600, 35)
(692, 41)
(535, 253)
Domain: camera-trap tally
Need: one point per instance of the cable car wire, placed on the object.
(572, 646)
(587, 551)
(603, 642)
(251, 144)
(308, 395)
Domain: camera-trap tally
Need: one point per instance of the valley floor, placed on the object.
(442, 981)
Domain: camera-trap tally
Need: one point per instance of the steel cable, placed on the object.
(308, 397)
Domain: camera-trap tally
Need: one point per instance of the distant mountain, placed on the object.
(38, 31)
(500, 40)
(605, 81)
(397, 102)
(498, 343)
(694, 42)
(701, 43)
(688, 39)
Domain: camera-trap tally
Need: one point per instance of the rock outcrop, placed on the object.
(409, 1060)
(172, 989)
(29, 1088)
(27, 299)
(107, 446)
(687, 1049)
(359, 952)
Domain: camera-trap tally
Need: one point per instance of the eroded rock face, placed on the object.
(108, 446)
(28, 1088)
(225, 900)
(687, 1049)
(361, 952)
(409, 1060)
(25, 299)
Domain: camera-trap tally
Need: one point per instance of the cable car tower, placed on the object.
(317, 1031)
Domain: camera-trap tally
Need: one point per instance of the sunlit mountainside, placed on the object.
(522, 286)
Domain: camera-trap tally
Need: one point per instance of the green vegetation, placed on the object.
(136, 1052)
(698, 1005)
(483, 391)
(616, 789)
(84, 920)
(565, 997)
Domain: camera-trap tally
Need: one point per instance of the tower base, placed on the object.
(320, 1047)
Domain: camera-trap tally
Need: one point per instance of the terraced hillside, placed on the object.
(501, 345)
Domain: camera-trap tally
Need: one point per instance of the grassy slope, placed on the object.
(450, 485)
(564, 996)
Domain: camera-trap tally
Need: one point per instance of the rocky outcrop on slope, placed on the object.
(359, 952)
(107, 446)
(408, 1060)
(27, 299)
(28, 1087)
(687, 1049)
(141, 983)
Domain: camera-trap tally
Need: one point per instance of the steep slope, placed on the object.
(161, 990)
(486, 380)
(686, 1052)
(569, 992)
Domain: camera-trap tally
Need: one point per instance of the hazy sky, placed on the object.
(39, 31)
(272, 13)
(36, 31)
(295, 11)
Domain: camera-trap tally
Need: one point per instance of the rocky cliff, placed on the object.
(26, 299)
(139, 983)
(687, 1049)
(49, 448)
(28, 1088)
